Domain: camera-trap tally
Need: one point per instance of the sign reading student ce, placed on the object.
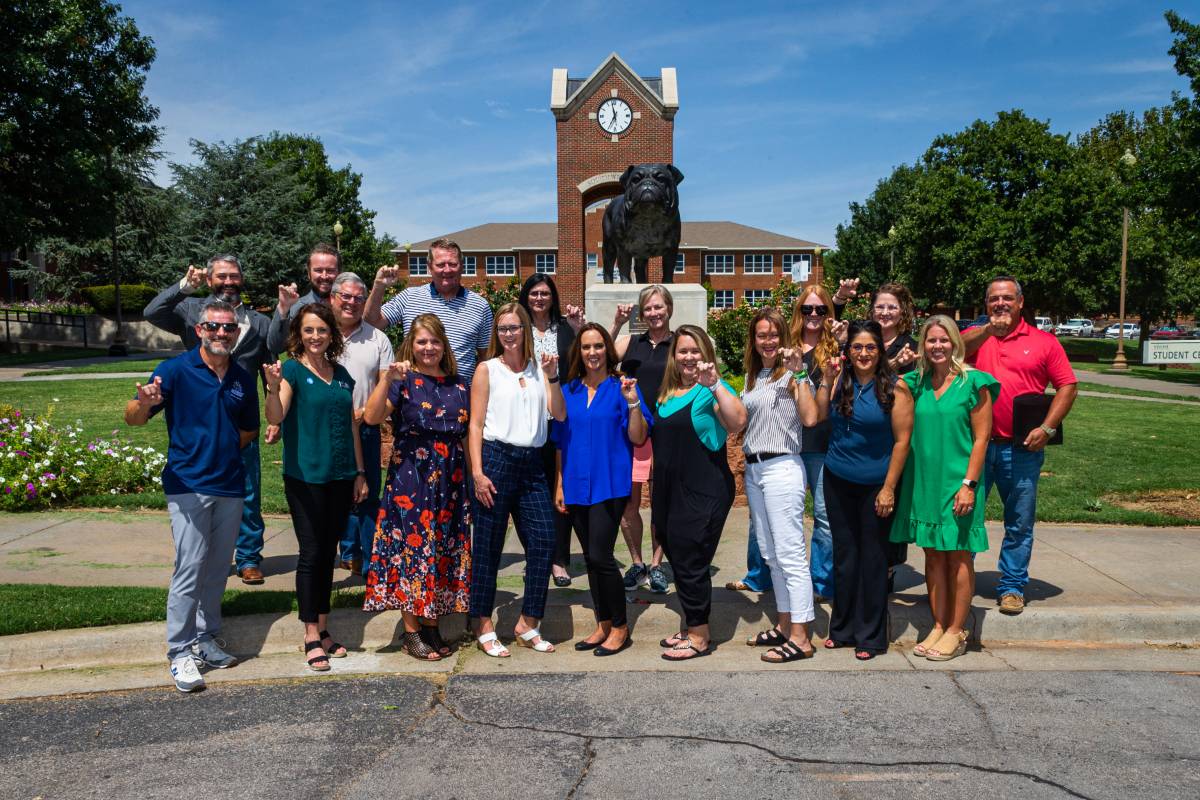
(1179, 351)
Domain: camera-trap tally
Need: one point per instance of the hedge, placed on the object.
(134, 297)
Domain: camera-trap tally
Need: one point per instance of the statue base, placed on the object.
(690, 302)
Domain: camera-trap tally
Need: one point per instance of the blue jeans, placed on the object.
(821, 548)
(359, 537)
(1014, 471)
(758, 574)
(248, 552)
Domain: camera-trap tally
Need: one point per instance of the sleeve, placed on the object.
(163, 311)
(483, 336)
(393, 310)
(277, 332)
(913, 381)
(646, 414)
(984, 380)
(1058, 366)
(706, 423)
(387, 354)
(248, 420)
(396, 393)
(291, 374)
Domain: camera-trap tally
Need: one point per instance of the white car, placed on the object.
(1044, 324)
(1132, 331)
(1075, 327)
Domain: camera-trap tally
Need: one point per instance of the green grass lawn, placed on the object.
(145, 365)
(1098, 349)
(1180, 374)
(1121, 390)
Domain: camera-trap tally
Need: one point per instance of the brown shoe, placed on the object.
(1012, 604)
(354, 566)
(251, 575)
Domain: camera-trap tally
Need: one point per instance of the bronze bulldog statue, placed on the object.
(643, 222)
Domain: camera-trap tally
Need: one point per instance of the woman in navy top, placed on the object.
(606, 419)
(872, 417)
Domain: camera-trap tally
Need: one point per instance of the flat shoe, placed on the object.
(335, 649)
(316, 663)
(771, 638)
(696, 651)
(673, 640)
(604, 651)
(584, 645)
(788, 651)
(562, 581)
(737, 586)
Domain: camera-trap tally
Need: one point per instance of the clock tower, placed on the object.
(604, 123)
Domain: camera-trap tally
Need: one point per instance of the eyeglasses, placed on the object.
(771, 336)
(864, 348)
(542, 293)
(351, 298)
(887, 307)
(213, 327)
(506, 330)
(808, 311)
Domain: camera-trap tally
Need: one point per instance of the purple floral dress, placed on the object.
(421, 559)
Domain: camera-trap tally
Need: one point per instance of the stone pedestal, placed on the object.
(690, 301)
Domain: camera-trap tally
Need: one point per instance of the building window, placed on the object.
(418, 265)
(798, 266)
(545, 262)
(718, 265)
(757, 296)
(501, 265)
(679, 268)
(469, 265)
(759, 264)
(722, 298)
(593, 263)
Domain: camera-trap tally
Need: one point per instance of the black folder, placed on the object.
(1029, 411)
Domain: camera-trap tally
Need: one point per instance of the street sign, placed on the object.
(1174, 351)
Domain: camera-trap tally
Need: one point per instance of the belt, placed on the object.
(755, 458)
(1002, 440)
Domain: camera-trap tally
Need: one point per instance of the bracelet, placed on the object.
(800, 375)
(362, 472)
(633, 406)
(552, 380)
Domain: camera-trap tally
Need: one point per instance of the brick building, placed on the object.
(605, 122)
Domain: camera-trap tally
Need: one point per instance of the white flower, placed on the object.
(112, 491)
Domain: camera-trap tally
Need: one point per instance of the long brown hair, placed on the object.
(752, 361)
(295, 344)
(671, 377)
(432, 324)
(828, 347)
(495, 348)
(575, 368)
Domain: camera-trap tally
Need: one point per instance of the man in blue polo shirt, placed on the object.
(211, 406)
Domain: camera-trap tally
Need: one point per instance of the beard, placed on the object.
(229, 294)
(216, 347)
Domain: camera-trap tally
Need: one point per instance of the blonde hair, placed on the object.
(495, 348)
(671, 377)
(432, 324)
(656, 289)
(752, 362)
(828, 347)
(958, 366)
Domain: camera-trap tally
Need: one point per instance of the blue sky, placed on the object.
(788, 111)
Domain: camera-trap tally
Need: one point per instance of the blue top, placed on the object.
(204, 417)
(597, 457)
(708, 427)
(860, 447)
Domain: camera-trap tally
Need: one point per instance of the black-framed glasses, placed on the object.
(808, 311)
(508, 329)
(213, 327)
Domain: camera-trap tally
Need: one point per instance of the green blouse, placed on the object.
(318, 432)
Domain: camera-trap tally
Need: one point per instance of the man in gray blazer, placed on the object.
(177, 311)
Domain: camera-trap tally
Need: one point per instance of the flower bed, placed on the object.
(43, 465)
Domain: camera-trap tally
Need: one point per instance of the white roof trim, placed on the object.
(565, 107)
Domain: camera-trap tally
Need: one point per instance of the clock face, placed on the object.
(614, 115)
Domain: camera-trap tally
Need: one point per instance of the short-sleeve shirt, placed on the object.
(1025, 361)
(860, 446)
(705, 422)
(318, 434)
(204, 417)
(597, 456)
(467, 318)
(367, 352)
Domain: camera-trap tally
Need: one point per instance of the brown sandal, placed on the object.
(416, 647)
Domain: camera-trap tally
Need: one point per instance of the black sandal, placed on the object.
(431, 636)
(335, 649)
(416, 647)
(788, 651)
(771, 638)
(317, 663)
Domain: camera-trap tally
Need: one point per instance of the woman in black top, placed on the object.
(893, 309)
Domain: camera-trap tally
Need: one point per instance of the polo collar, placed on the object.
(1022, 329)
(435, 294)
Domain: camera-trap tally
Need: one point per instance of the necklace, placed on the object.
(858, 393)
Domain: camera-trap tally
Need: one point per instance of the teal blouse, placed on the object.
(704, 414)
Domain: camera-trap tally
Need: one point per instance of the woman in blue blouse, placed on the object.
(606, 419)
(872, 417)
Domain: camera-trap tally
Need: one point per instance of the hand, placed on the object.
(398, 370)
(964, 501)
(358, 414)
(150, 395)
(274, 434)
(793, 359)
(905, 357)
(387, 276)
(831, 373)
(360, 489)
(1000, 322)
(196, 277)
(840, 329)
(1036, 440)
(274, 374)
(485, 490)
(847, 290)
(550, 366)
(629, 390)
(288, 295)
(574, 315)
(559, 503)
(706, 374)
(624, 312)
(885, 502)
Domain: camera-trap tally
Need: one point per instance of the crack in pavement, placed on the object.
(983, 712)
(589, 758)
(589, 738)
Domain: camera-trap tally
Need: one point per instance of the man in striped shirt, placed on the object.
(466, 315)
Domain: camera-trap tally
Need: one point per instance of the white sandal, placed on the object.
(496, 650)
(526, 640)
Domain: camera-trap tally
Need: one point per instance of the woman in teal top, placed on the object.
(937, 507)
(693, 487)
(323, 474)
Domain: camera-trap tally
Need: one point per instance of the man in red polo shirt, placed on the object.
(1024, 360)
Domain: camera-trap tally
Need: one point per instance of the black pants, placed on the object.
(562, 522)
(860, 562)
(597, 527)
(692, 532)
(319, 515)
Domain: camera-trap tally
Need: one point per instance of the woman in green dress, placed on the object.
(937, 508)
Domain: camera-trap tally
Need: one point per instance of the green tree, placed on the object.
(71, 106)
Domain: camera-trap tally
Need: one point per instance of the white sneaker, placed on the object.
(210, 654)
(187, 677)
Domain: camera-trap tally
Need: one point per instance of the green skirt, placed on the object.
(963, 533)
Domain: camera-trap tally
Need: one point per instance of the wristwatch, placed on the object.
(970, 484)
(1046, 429)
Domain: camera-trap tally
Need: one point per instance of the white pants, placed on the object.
(775, 491)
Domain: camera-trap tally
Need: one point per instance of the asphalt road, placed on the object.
(730, 735)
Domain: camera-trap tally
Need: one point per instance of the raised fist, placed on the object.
(550, 365)
(387, 276)
(624, 312)
(847, 289)
(196, 277)
(706, 374)
(150, 395)
(398, 370)
(274, 374)
(288, 295)
(574, 315)
(793, 359)
(629, 389)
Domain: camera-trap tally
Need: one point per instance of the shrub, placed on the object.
(43, 465)
(134, 297)
(48, 307)
(498, 296)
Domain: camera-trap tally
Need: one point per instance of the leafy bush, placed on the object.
(48, 307)
(730, 327)
(44, 465)
(134, 297)
(498, 296)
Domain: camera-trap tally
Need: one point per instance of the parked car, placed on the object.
(1131, 330)
(1172, 332)
(1075, 327)
(1044, 324)
(963, 324)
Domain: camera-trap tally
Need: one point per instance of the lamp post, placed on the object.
(892, 252)
(1119, 363)
(337, 236)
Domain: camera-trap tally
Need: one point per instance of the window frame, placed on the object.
(760, 260)
(493, 270)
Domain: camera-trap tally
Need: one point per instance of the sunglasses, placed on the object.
(808, 311)
(213, 327)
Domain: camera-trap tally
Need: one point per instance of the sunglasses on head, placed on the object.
(808, 311)
(213, 327)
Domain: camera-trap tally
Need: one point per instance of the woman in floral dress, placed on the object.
(421, 559)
